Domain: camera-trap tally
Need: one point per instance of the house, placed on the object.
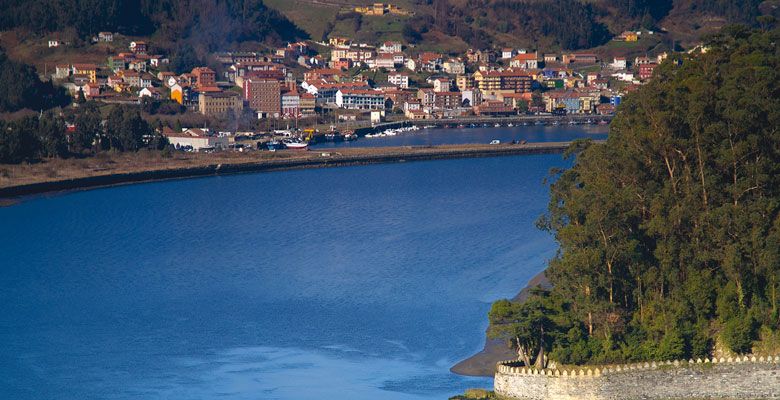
(628, 36)
(150, 92)
(360, 99)
(383, 60)
(430, 62)
(550, 58)
(91, 90)
(177, 93)
(619, 63)
(89, 70)
(507, 53)
(480, 56)
(138, 47)
(580, 58)
(341, 63)
(54, 43)
(470, 97)
(646, 71)
(400, 80)
(391, 47)
(454, 66)
(494, 108)
(525, 61)
(195, 139)
(204, 77)
(337, 41)
(642, 60)
(62, 71)
(442, 85)
(105, 36)
(132, 78)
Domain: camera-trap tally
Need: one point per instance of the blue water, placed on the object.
(437, 136)
(347, 283)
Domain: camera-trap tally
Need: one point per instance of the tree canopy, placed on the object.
(669, 232)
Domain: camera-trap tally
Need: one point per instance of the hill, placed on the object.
(453, 25)
(207, 25)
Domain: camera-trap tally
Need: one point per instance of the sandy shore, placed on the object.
(115, 169)
(484, 362)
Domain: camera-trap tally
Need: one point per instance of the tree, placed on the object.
(89, 128)
(126, 129)
(528, 326)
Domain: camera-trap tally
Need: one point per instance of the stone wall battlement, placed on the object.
(513, 367)
(743, 377)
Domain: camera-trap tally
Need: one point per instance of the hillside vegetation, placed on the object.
(669, 233)
(206, 24)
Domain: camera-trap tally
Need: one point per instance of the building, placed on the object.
(89, 70)
(507, 53)
(550, 58)
(360, 99)
(400, 80)
(391, 47)
(490, 82)
(195, 139)
(646, 71)
(138, 47)
(454, 67)
(580, 58)
(619, 63)
(204, 77)
(220, 103)
(464, 82)
(291, 104)
(264, 96)
(177, 93)
(525, 61)
(106, 37)
(442, 85)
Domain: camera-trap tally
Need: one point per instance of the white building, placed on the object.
(197, 139)
(400, 80)
(391, 47)
(619, 63)
(360, 99)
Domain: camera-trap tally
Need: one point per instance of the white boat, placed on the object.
(495, 141)
(296, 145)
(497, 125)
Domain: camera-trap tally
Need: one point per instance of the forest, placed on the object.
(669, 233)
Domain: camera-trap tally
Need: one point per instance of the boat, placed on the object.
(497, 125)
(495, 141)
(510, 124)
(296, 145)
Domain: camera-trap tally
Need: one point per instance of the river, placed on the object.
(437, 136)
(341, 283)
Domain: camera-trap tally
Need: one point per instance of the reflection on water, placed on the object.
(350, 283)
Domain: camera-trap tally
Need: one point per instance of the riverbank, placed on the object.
(116, 169)
(484, 362)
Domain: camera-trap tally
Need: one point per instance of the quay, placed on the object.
(126, 171)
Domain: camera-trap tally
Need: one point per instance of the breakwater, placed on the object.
(747, 377)
(309, 160)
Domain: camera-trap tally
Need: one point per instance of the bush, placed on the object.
(739, 333)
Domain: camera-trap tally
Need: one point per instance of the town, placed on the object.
(336, 86)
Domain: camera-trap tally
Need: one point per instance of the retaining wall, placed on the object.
(747, 377)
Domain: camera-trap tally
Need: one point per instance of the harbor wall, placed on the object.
(746, 377)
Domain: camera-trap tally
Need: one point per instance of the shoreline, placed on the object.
(247, 163)
(483, 363)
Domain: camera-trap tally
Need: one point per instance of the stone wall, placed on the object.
(746, 377)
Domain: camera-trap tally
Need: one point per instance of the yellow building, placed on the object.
(86, 69)
(177, 93)
(220, 103)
